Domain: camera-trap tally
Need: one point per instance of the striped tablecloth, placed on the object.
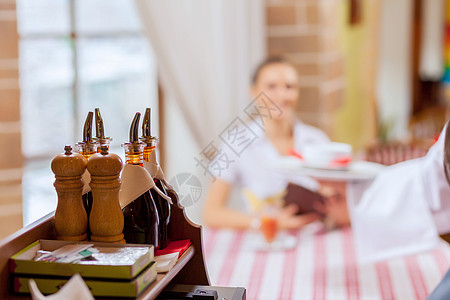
(321, 266)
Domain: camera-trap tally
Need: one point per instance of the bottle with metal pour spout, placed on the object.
(141, 219)
(162, 204)
(87, 147)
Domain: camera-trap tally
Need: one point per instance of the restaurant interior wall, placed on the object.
(356, 120)
(11, 160)
(336, 59)
(307, 33)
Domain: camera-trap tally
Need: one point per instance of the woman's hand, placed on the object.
(334, 206)
(287, 218)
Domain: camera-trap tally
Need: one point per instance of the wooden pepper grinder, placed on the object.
(70, 215)
(106, 219)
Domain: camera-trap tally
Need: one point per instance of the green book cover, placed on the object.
(114, 261)
(106, 288)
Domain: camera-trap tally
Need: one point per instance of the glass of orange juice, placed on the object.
(269, 226)
(265, 212)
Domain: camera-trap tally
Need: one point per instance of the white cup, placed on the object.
(327, 155)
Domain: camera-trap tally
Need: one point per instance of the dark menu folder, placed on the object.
(302, 197)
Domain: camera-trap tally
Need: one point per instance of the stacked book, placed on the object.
(118, 270)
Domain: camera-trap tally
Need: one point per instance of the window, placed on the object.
(75, 56)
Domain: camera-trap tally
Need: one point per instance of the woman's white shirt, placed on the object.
(251, 169)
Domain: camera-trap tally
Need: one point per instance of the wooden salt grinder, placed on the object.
(70, 215)
(106, 219)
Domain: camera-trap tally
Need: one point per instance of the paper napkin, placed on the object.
(159, 174)
(165, 263)
(135, 181)
(74, 289)
(86, 179)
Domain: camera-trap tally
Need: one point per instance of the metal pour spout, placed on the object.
(147, 137)
(146, 124)
(134, 128)
(99, 128)
(87, 130)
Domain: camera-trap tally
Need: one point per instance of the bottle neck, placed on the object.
(134, 158)
(86, 149)
(87, 154)
(150, 154)
(102, 142)
(134, 153)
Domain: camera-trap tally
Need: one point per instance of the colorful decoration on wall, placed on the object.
(446, 77)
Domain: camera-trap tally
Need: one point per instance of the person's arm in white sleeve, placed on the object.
(217, 214)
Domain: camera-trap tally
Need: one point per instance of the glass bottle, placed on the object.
(141, 220)
(162, 205)
(87, 147)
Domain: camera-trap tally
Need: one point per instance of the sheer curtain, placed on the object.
(431, 63)
(206, 50)
(394, 72)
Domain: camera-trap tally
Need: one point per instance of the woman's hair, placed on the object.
(268, 61)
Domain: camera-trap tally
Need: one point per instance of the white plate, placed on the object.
(283, 241)
(357, 170)
(325, 167)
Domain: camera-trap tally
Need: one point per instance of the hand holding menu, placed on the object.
(304, 198)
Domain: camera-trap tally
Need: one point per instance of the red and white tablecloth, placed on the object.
(322, 265)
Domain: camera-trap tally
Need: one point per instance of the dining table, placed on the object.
(317, 264)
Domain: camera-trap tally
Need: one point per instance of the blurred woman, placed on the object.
(282, 131)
